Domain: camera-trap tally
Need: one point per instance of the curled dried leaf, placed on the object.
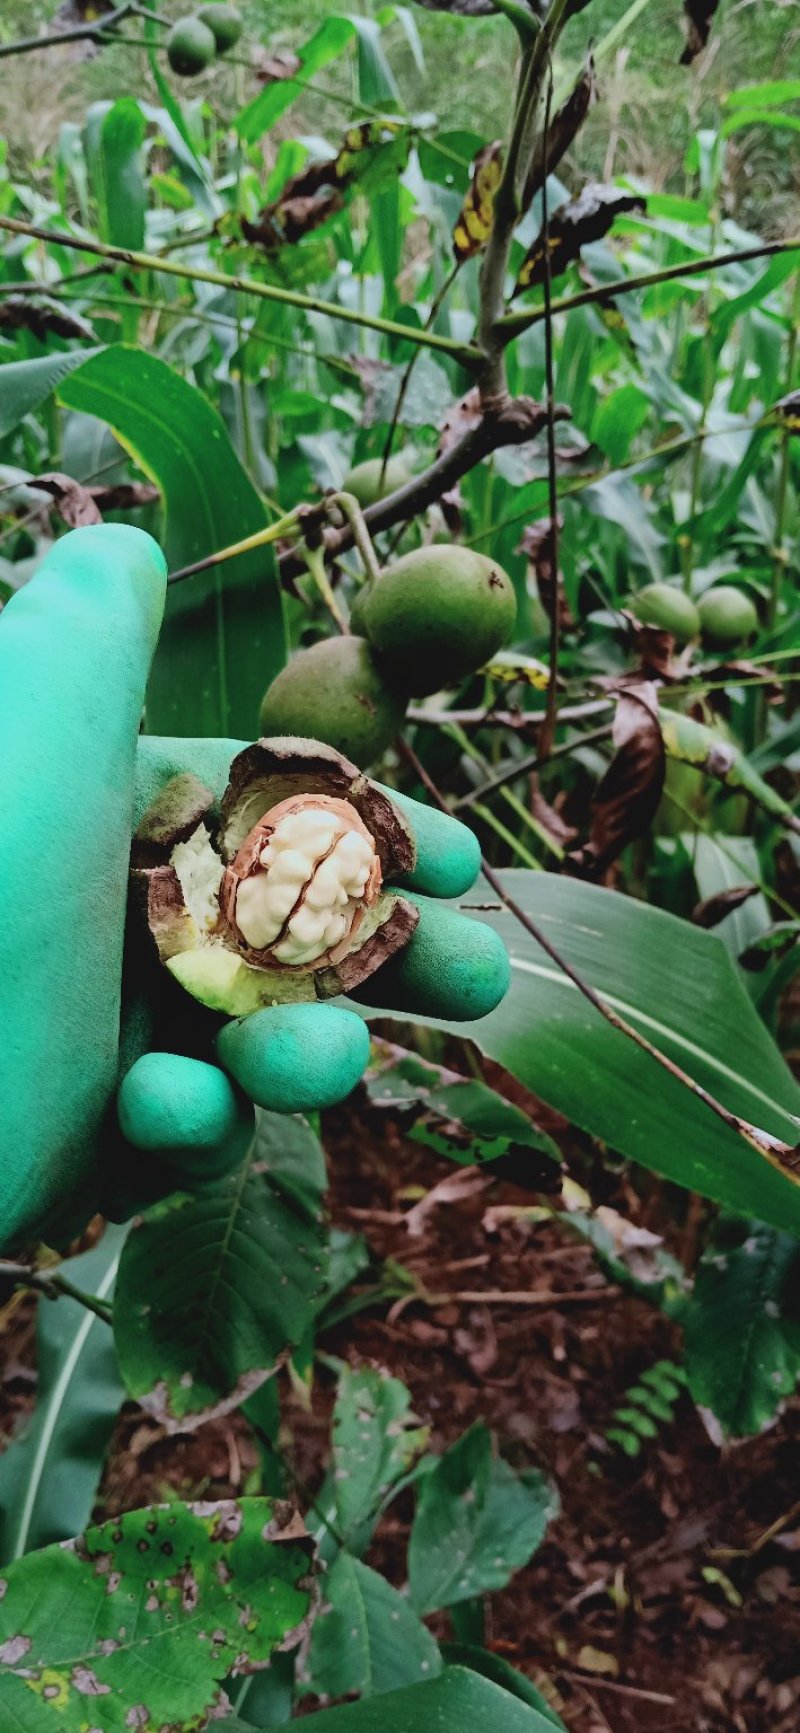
(44, 316)
(573, 226)
(626, 800)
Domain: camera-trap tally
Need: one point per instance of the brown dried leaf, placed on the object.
(564, 128)
(698, 15)
(315, 194)
(537, 544)
(44, 316)
(285, 222)
(712, 910)
(654, 648)
(125, 495)
(73, 502)
(577, 222)
(474, 224)
(626, 800)
(272, 65)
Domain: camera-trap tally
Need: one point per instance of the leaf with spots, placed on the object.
(375, 1440)
(475, 220)
(743, 1327)
(214, 1290)
(574, 225)
(476, 1523)
(136, 1624)
(366, 1637)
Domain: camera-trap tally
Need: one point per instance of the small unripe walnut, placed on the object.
(297, 890)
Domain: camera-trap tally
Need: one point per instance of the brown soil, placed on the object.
(666, 1598)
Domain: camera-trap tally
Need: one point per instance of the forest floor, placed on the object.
(666, 1597)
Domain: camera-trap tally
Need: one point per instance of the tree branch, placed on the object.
(54, 1286)
(514, 423)
(93, 32)
(513, 324)
(464, 353)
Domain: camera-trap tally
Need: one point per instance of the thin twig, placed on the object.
(520, 722)
(283, 526)
(463, 352)
(547, 735)
(514, 768)
(94, 31)
(54, 1286)
(517, 1296)
(433, 313)
(784, 1156)
(512, 324)
(596, 1683)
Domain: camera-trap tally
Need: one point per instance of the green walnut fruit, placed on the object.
(358, 615)
(334, 692)
(727, 617)
(224, 22)
(669, 608)
(190, 47)
(437, 614)
(364, 481)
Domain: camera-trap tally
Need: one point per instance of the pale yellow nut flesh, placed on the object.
(315, 876)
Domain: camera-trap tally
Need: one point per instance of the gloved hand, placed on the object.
(89, 1113)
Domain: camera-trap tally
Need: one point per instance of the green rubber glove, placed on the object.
(115, 1086)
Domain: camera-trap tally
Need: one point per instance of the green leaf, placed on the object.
(224, 635)
(760, 117)
(327, 44)
(723, 316)
(114, 139)
(618, 420)
(136, 1624)
(476, 1523)
(375, 1440)
(493, 1667)
(366, 1637)
(26, 385)
(765, 95)
(376, 81)
(691, 742)
(634, 1258)
(457, 1702)
(214, 1289)
(460, 1117)
(616, 498)
(675, 983)
(50, 1472)
(722, 863)
(743, 1327)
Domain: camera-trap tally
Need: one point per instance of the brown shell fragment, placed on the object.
(271, 771)
(171, 818)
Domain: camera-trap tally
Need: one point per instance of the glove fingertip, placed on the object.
(453, 968)
(185, 1112)
(448, 852)
(296, 1058)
